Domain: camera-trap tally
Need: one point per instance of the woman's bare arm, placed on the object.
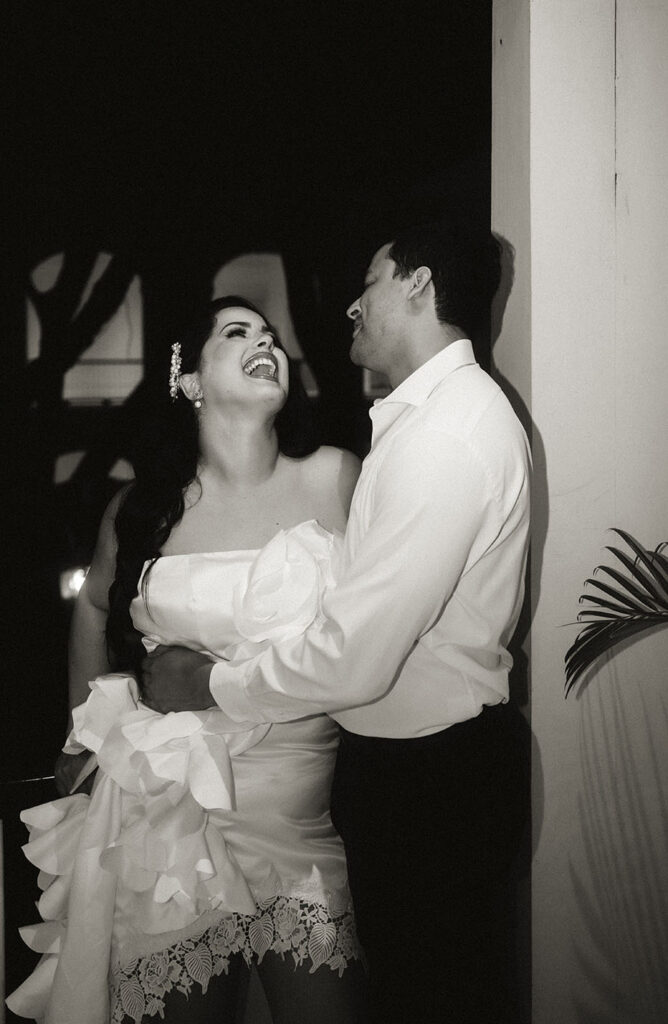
(87, 644)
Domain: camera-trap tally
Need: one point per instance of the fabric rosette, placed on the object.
(282, 594)
(172, 770)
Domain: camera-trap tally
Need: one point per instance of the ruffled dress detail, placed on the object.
(196, 843)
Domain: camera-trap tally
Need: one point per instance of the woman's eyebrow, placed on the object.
(239, 323)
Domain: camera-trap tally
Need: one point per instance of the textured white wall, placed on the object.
(582, 191)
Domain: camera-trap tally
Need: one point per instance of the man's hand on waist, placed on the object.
(176, 679)
(68, 768)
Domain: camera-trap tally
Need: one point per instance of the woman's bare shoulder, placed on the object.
(331, 474)
(333, 463)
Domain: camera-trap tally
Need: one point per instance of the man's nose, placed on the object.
(354, 311)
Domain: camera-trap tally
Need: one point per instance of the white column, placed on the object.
(580, 186)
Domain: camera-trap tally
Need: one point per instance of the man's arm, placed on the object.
(434, 514)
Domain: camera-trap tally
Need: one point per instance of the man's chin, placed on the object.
(356, 355)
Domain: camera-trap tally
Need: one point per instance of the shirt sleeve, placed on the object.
(433, 514)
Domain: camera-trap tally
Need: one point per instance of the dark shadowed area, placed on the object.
(173, 138)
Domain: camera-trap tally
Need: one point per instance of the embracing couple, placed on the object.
(320, 638)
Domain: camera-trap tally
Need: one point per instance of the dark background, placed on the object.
(175, 137)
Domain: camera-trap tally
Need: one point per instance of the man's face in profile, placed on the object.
(377, 313)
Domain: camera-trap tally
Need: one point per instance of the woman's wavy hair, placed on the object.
(165, 464)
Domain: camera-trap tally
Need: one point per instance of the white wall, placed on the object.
(580, 177)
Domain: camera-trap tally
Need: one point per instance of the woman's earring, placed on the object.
(197, 402)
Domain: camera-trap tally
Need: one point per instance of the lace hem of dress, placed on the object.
(283, 924)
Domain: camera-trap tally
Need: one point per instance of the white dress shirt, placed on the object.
(414, 636)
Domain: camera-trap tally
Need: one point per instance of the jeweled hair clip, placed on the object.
(175, 371)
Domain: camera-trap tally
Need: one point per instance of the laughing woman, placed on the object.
(200, 851)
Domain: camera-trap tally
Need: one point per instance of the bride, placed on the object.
(198, 851)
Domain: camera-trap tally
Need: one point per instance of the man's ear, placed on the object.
(190, 386)
(420, 279)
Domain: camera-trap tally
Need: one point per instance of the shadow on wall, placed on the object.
(539, 492)
(520, 684)
(621, 876)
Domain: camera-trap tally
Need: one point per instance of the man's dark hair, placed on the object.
(465, 267)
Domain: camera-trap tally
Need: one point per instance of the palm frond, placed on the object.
(636, 587)
(631, 604)
(656, 562)
(600, 602)
(625, 597)
(651, 580)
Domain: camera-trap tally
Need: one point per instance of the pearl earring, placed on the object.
(198, 403)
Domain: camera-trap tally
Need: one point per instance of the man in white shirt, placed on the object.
(411, 657)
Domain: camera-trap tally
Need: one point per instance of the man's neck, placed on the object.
(425, 347)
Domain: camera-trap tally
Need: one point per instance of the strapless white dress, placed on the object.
(196, 844)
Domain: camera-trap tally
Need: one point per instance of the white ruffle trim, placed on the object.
(145, 825)
(172, 770)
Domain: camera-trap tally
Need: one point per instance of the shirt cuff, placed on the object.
(227, 685)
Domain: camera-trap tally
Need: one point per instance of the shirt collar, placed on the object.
(417, 387)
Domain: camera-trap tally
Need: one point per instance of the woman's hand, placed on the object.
(67, 769)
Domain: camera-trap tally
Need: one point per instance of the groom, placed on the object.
(411, 658)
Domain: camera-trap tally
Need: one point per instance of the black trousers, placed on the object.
(432, 827)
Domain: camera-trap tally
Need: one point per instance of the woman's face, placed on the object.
(242, 361)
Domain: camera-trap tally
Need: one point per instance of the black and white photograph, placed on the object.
(335, 519)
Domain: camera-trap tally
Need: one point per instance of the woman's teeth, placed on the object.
(260, 366)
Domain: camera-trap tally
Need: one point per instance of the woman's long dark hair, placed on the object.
(165, 465)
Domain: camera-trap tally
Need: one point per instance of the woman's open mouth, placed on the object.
(261, 367)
